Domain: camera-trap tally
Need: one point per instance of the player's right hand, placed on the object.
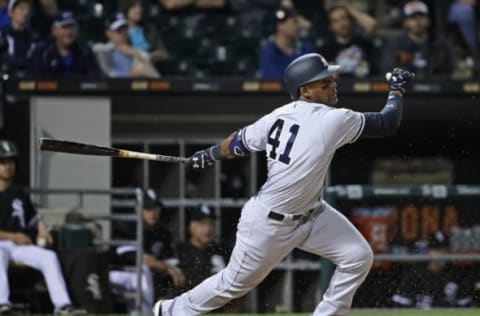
(398, 79)
(201, 160)
(21, 239)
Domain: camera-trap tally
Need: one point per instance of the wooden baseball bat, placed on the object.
(69, 147)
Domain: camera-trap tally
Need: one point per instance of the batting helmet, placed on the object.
(8, 149)
(305, 69)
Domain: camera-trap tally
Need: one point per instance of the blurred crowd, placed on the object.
(256, 38)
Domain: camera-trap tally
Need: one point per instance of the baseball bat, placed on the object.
(69, 147)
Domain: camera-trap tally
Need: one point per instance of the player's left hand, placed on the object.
(398, 79)
(201, 159)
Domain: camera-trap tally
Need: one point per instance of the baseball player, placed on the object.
(157, 252)
(20, 227)
(299, 140)
(208, 256)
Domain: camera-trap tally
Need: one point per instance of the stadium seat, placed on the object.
(79, 7)
(92, 29)
(176, 67)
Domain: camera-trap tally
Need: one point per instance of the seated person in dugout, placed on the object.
(20, 227)
(434, 284)
(157, 250)
(200, 256)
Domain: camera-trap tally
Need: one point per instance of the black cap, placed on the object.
(151, 199)
(64, 18)
(8, 149)
(116, 22)
(201, 212)
(284, 13)
(438, 240)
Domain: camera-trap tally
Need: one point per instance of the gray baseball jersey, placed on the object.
(300, 139)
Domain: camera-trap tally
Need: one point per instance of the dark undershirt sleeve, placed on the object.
(386, 122)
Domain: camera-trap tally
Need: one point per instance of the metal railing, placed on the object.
(337, 193)
(136, 196)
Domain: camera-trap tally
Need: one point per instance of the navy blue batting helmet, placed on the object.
(305, 69)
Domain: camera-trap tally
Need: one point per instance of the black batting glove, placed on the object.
(204, 158)
(398, 79)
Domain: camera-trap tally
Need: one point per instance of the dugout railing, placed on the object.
(345, 198)
(121, 197)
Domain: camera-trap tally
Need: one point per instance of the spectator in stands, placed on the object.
(16, 39)
(200, 257)
(283, 46)
(20, 227)
(44, 13)
(143, 36)
(254, 16)
(417, 48)
(435, 284)
(64, 54)
(346, 47)
(157, 250)
(118, 58)
(4, 18)
(462, 20)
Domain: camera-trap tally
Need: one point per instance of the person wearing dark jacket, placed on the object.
(16, 39)
(64, 54)
(283, 46)
(417, 48)
(200, 256)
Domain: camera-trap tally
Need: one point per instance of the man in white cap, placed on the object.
(417, 49)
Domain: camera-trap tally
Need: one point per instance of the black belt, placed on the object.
(299, 217)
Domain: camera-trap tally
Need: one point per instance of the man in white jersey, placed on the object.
(300, 139)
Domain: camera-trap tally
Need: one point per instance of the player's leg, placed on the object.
(260, 244)
(45, 261)
(333, 236)
(127, 281)
(147, 291)
(4, 289)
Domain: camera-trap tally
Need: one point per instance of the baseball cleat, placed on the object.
(5, 309)
(68, 310)
(157, 308)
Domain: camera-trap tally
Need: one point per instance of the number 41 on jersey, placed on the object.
(274, 140)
